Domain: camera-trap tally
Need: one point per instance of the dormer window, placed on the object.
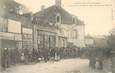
(74, 20)
(58, 18)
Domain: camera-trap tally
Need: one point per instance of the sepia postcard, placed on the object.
(57, 36)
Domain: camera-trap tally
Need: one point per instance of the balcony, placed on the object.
(10, 36)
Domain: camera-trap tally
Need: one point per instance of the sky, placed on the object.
(98, 19)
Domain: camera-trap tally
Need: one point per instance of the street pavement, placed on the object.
(63, 66)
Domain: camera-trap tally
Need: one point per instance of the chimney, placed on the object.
(58, 3)
(42, 7)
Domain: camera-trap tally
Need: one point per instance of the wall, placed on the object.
(81, 36)
(62, 35)
(70, 31)
(61, 41)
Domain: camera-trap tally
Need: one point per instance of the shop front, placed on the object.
(7, 48)
(46, 39)
(27, 42)
(8, 43)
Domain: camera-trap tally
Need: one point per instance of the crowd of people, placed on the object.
(25, 56)
(96, 59)
(16, 56)
(96, 56)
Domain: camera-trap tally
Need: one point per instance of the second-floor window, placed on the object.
(58, 18)
(74, 20)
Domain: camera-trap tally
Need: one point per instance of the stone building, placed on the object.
(55, 27)
(14, 27)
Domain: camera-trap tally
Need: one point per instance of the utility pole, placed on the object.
(33, 30)
(22, 36)
(2, 12)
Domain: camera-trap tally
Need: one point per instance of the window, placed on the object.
(58, 18)
(74, 20)
(76, 34)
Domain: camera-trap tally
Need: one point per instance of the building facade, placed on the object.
(52, 27)
(64, 27)
(14, 28)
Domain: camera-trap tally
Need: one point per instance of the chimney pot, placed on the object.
(42, 7)
(58, 3)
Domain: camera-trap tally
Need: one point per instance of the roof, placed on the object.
(12, 4)
(49, 15)
(12, 10)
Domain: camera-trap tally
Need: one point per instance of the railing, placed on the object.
(16, 37)
(10, 36)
